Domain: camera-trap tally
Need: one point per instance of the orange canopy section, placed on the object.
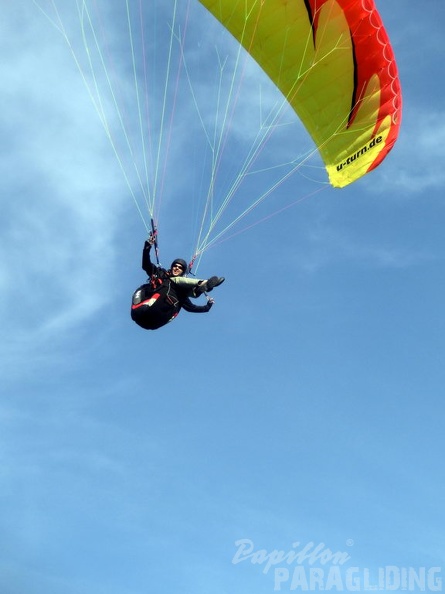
(333, 62)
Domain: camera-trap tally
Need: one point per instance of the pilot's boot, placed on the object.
(208, 285)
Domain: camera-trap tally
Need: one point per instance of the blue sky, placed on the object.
(305, 407)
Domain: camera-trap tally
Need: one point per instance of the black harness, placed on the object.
(154, 304)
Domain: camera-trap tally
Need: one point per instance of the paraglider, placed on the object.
(158, 301)
(331, 61)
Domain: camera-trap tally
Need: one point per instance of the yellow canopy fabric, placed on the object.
(333, 62)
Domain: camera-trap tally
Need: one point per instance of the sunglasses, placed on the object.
(178, 266)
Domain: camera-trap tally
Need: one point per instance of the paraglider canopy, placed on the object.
(330, 62)
(333, 62)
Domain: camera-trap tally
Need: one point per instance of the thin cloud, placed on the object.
(63, 200)
(327, 244)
